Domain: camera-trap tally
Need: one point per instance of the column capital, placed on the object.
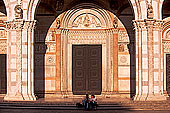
(148, 23)
(19, 24)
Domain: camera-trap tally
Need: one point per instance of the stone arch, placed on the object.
(63, 29)
(166, 54)
(34, 3)
(32, 8)
(103, 16)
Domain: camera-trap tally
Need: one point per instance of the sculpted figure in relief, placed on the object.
(58, 23)
(150, 11)
(18, 12)
(86, 21)
(115, 23)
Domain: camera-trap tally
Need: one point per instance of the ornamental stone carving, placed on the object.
(166, 46)
(50, 59)
(3, 47)
(87, 37)
(149, 11)
(3, 33)
(51, 36)
(59, 5)
(58, 23)
(20, 24)
(148, 23)
(123, 36)
(86, 21)
(167, 37)
(18, 12)
(15, 24)
(115, 23)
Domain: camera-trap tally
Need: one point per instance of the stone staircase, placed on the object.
(70, 104)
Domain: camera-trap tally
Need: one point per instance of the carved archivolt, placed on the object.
(167, 37)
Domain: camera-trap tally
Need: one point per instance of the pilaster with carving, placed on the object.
(20, 60)
(148, 60)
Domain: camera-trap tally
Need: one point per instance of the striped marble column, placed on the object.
(149, 68)
(20, 60)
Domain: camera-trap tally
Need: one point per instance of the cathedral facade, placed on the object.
(68, 48)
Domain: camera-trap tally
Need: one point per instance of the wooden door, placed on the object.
(87, 69)
(168, 73)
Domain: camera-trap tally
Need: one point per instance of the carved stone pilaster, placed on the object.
(20, 49)
(148, 35)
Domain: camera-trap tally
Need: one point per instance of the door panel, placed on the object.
(87, 63)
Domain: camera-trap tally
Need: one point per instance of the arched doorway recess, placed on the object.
(86, 24)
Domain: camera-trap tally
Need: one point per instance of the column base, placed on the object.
(19, 97)
(150, 97)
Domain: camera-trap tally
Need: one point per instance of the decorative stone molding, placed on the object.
(15, 24)
(166, 46)
(123, 36)
(91, 37)
(3, 33)
(3, 47)
(145, 24)
(20, 24)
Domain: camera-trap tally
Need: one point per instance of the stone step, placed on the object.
(113, 106)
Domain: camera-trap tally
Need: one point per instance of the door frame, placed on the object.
(102, 37)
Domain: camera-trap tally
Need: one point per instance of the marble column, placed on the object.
(20, 56)
(149, 68)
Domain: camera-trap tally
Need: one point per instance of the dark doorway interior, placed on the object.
(3, 74)
(87, 69)
(168, 73)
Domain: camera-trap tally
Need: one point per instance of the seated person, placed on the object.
(86, 101)
(93, 101)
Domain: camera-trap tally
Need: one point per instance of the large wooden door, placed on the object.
(168, 73)
(87, 69)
